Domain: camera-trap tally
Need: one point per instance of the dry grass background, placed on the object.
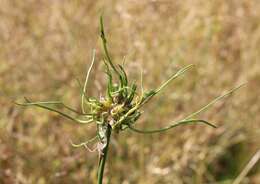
(46, 44)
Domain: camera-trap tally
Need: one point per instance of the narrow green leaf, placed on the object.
(184, 122)
(180, 72)
(104, 41)
(86, 83)
(148, 95)
(187, 120)
(109, 89)
(55, 103)
(131, 94)
(28, 103)
(124, 76)
(214, 101)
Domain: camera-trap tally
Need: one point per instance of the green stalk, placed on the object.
(104, 43)
(102, 162)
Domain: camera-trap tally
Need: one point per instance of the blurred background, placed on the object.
(46, 46)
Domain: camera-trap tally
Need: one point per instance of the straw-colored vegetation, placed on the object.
(45, 47)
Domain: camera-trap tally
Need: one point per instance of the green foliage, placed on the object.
(120, 107)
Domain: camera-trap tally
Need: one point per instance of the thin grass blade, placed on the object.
(86, 82)
(179, 123)
(104, 41)
(214, 101)
(28, 103)
(180, 72)
(147, 96)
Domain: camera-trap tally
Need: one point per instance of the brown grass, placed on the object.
(45, 45)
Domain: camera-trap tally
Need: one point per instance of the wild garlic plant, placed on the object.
(119, 108)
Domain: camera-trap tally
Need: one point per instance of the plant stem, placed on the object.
(103, 157)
